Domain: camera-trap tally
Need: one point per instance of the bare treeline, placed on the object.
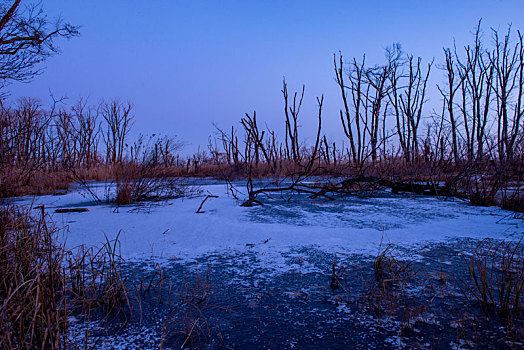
(62, 137)
(35, 141)
(383, 110)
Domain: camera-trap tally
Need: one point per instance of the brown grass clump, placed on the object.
(496, 278)
(97, 281)
(32, 283)
(41, 282)
(389, 271)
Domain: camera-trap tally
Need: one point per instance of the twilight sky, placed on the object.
(186, 64)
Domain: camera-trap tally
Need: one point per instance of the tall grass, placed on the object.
(41, 282)
(496, 278)
(33, 306)
(96, 279)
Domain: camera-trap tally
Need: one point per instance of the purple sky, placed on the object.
(186, 64)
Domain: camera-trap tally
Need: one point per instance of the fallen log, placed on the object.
(71, 210)
(397, 187)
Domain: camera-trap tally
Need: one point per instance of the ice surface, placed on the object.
(273, 262)
(173, 230)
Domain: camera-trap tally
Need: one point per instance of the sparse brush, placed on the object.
(385, 292)
(187, 323)
(390, 271)
(96, 279)
(146, 181)
(496, 272)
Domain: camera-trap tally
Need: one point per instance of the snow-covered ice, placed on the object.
(173, 230)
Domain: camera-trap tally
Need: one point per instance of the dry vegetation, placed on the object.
(497, 273)
(42, 282)
(33, 309)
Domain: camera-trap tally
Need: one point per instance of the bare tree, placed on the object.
(27, 38)
(119, 121)
(256, 137)
(88, 130)
(448, 93)
(292, 123)
(476, 95)
(361, 116)
(407, 102)
(345, 115)
(508, 63)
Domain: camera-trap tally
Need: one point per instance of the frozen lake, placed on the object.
(269, 267)
(173, 229)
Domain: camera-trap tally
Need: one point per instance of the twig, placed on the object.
(202, 204)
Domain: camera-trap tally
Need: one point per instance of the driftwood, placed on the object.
(71, 210)
(60, 193)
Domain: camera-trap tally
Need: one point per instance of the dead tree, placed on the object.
(118, 120)
(345, 114)
(66, 138)
(476, 95)
(256, 138)
(507, 86)
(291, 123)
(378, 79)
(369, 88)
(88, 131)
(448, 95)
(407, 102)
(298, 183)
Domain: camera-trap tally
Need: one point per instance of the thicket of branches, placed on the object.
(27, 38)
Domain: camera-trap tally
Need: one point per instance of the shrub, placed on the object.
(136, 182)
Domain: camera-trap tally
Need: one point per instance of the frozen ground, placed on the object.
(273, 262)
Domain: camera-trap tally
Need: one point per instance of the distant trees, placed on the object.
(383, 111)
(483, 97)
(27, 38)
